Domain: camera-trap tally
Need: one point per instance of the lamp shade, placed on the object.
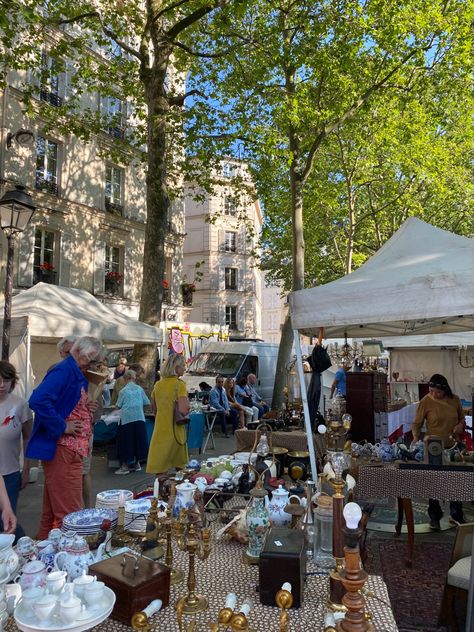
(16, 210)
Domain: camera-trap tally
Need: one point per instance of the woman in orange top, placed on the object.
(442, 411)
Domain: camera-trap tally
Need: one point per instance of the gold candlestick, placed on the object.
(176, 576)
(284, 600)
(195, 544)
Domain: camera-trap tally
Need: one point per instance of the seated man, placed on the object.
(255, 397)
(218, 400)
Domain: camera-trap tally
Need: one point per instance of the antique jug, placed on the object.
(8, 557)
(258, 522)
(276, 507)
(76, 558)
(184, 497)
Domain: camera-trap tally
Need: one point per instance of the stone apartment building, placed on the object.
(221, 237)
(88, 230)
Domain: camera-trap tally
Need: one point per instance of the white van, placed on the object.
(234, 359)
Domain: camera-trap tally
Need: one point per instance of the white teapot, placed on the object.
(76, 558)
(276, 507)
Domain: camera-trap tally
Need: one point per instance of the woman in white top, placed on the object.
(15, 427)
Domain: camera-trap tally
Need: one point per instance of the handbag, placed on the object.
(179, 419)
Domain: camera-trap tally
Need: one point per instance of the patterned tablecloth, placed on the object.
(224, 572)
(388, 481)
(294, 440)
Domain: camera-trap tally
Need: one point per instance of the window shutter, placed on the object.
(240, 279)
(26, 256)
(221, 281)
(241, 243)
(221, 240)
(127, 289)
(66, 78)
(65, 261)
(99, 267)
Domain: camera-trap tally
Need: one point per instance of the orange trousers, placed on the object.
(62, 489)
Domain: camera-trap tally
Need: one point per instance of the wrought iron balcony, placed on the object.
(44, 184)
(51, 97)
(112, 207)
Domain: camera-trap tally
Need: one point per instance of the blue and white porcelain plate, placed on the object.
(88, 518)
(114, 494)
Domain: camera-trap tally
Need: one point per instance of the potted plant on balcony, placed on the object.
(47, 273)
(166, 291)
(113, 282)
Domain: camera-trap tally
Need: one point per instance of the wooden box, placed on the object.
(134, 589)
(283, 559)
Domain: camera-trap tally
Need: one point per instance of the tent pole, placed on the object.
(304, 399)
(28, 370)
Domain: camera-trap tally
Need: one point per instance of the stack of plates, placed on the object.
(136, 513)
(88, 521)
(110, 498)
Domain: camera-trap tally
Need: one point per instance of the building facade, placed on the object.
(89, 227)
(222, 231)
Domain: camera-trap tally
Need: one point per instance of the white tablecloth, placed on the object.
(402, 419)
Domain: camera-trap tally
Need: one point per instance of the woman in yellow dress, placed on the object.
(168, 445)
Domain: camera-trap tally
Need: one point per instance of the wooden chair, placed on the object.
(457, 580)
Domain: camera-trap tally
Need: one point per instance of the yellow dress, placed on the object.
(165, 451)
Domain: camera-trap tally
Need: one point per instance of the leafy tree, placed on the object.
(147, 44)
(308, 69)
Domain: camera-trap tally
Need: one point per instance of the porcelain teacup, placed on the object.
(93, 594)
(31, 596)
(70, 609)
(44, 606)
(80, 583)
(55, 582)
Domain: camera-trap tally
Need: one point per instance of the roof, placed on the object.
(421, 281)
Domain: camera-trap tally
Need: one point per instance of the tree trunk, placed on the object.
(158, 204)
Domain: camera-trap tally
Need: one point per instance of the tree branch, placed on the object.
(180, 99)
(191, 19)
(352, 111)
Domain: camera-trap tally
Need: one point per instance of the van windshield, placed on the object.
(226, 364)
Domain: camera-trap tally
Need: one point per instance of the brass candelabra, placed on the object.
(170, 527)
(284, 600)
(229, 618)
(195, 543)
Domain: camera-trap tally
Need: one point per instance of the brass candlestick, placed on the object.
(195, 543)
(176, 576)
(120, 537)
(154, 527)
(141, 620)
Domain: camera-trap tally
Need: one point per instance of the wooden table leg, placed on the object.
(408, 508)
(398, 526)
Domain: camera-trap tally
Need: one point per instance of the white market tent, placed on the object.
(45, 313)
(420, 282)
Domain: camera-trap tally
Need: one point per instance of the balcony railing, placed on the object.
(43, 184)
(44, 276)
(113, 287)
(113, 207)
(51, 98)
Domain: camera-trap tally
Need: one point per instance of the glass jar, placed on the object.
(323, 526)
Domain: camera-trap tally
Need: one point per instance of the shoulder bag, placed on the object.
(179, 419)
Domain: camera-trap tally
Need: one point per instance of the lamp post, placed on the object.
(16, 210)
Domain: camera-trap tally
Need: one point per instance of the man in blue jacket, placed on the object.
(218, 400)
(63, 413)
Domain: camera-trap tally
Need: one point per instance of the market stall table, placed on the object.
(389, 481)
(223, 572)
(295, 440)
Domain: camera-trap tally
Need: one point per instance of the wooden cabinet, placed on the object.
(366, 395)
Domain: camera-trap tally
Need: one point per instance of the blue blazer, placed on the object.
(52, 401)
(214, 399)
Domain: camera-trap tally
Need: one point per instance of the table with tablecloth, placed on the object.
(390, 481)
(224, 572)
(296, 440)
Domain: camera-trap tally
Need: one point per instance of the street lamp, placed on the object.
(16, 210)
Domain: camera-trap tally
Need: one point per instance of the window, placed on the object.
(113, 189)
(113, 111)
(46, 165)
(229, 170)
(231, 316)
(43, 257)
(113, 270)
(230, 205)
(230, 241)
(230, 278)
(49, 90)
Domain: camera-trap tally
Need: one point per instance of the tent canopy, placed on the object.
(52, 312)
(421, 281)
